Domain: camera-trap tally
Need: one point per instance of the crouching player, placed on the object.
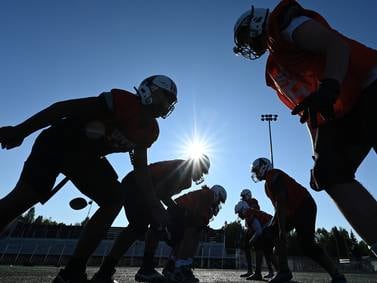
(294, 209)
(187, 218)
(255, 221)
(168, 178)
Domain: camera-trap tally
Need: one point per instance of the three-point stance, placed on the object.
(80, 133)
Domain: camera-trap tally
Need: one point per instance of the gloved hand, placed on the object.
(319, 102)
(10, 137)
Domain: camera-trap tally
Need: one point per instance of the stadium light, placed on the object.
(269, 118)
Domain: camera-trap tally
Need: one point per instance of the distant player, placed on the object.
(169, 178)
(253, 203)
(294, 209)
(80, 133)
(255, 221)
(187, 220)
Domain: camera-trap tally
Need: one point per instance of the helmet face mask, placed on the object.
(245, 194)
(199, 168)
(259, 169)
(220, 194)
(158, 93)
(240, 208)
(250, 33)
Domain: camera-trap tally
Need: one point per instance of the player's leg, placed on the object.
(284, 274)
(36, 180)
(268, 255)
(95, 178)
(138, 219)
(124, 241)
(185, 252)
(304, 222)
(176, 229)
(339, 153)
(247, 250)
(18, 201)
(147, 271)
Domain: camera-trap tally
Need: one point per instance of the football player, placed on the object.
(79, 134)
(294, 209)
(330, 80)
(255, 221)
(252, 202)
(192, 213)
(169, 178)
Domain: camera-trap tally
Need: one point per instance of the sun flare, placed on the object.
(194, 147)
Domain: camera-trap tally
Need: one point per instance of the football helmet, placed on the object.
(246, 194)
(240, 207)
(199, 167)
(220, 193)
(259, 169)
(151, 87)
(250, 33)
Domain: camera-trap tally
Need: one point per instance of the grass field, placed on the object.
(43, 274)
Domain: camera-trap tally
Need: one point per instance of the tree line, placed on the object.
(338, 242)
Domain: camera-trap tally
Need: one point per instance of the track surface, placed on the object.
(21, 274)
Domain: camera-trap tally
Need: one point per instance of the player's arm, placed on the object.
(144, 182)
(281, 197)
(257, 228)
(85, 107)
(169, 202)
(314, 37)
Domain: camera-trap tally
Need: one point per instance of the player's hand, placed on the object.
(319, 102)
(10, 137)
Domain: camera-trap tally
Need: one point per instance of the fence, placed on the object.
(46, 251)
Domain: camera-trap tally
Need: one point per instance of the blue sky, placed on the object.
(57, 50)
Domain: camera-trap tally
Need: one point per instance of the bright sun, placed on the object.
(195, 147)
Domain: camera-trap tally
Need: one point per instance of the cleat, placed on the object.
(149, 275)
(255, 276)
(182, 274)
(167, 271)
(249, 273)
(281, 277)
(65, 277)
(339, 279)
(102, 278)
(269, 275)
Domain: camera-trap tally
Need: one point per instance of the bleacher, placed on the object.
(37, 244)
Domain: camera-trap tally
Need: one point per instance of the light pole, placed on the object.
(269, 118)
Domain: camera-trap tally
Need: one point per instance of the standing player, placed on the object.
(253, 203)
(169, 178)
(294, 209)
(80, 133)
(331, 81)
(255, 221)
(192, 213)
